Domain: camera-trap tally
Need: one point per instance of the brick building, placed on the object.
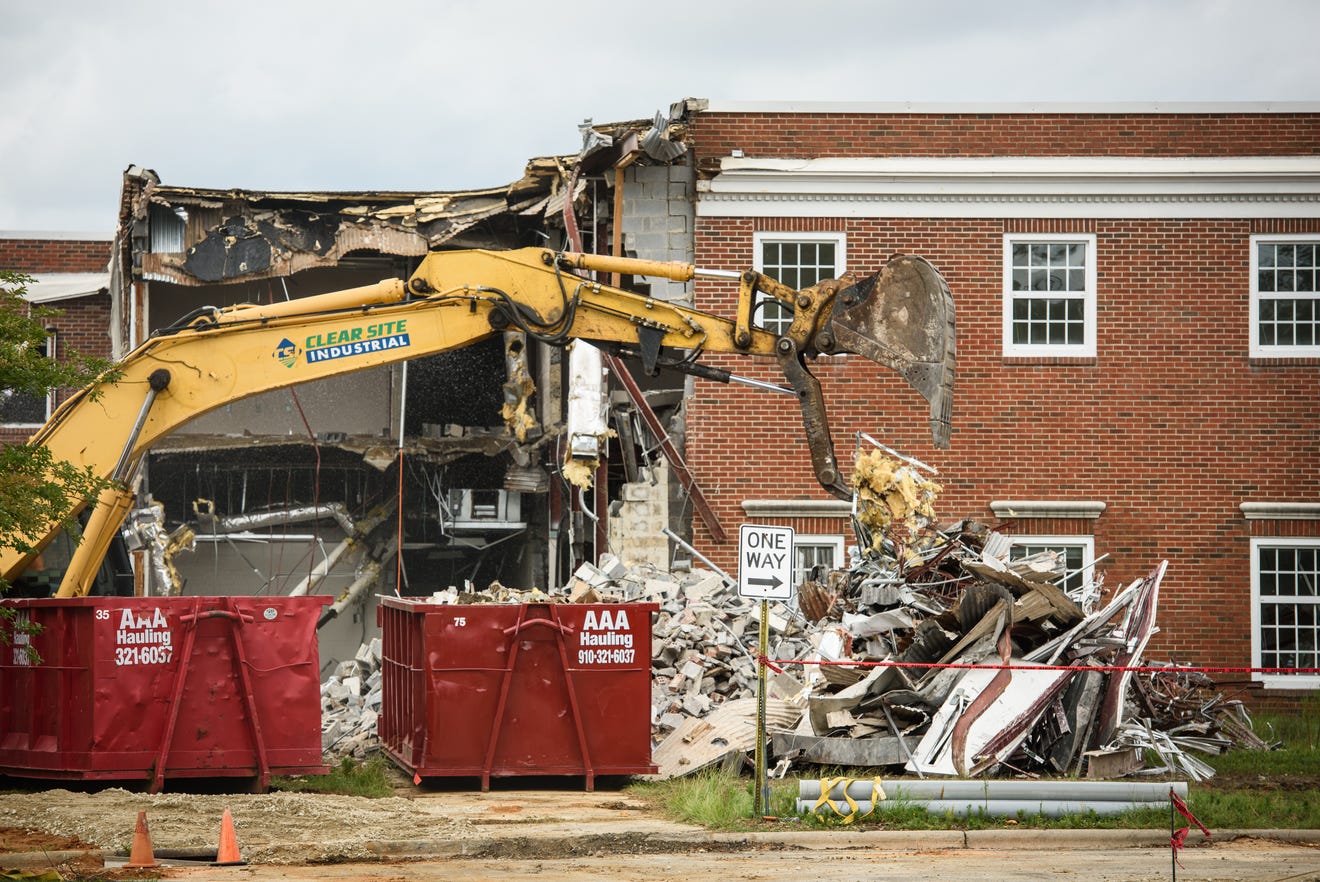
(70, 273)
(1138, 339)
(1137, 311)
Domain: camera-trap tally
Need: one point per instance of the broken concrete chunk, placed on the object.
(347, 668)
(583, 592)
(693, 670)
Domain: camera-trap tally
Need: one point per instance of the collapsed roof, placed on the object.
(201, 236)
(197, 236)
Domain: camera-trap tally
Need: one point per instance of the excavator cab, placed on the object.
(113, 578)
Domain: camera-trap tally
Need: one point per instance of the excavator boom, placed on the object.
(901, 318)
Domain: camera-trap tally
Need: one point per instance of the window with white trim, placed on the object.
(811, 551)
(799, 260)
(23, 410)
(1078, 553)
(1285, 296)
(1049, 294)
(1285, 609)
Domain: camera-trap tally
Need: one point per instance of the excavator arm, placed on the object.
(456, 298)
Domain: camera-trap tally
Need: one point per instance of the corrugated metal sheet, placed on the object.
(167, 230)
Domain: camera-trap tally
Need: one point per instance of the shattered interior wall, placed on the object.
(335, 442)
(473, 507)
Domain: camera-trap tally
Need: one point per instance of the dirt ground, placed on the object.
(1229, 864)
(1275, 781)
(285, 828)
(273, 827)
(554, 831)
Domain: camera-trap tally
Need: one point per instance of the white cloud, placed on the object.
(406, 94)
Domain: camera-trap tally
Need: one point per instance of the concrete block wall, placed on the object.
(1172, 425)
(638, 519)
(658, 214)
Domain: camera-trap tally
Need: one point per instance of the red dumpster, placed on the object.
(133, 688)
(516, 689)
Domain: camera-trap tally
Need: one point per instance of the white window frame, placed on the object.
(1275, 681)
(1087, 544)
(1256, 350)
(815, 540)
(761, 239)
(51, 350)
(1085, 349)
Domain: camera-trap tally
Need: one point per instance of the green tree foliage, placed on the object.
(35, 489)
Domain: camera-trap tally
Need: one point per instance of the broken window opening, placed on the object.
(812, 551)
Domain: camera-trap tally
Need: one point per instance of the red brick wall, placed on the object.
(54, 255)
(796, 135)
(85, 322)
(1171, 425)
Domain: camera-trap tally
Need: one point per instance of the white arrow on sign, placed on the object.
(765, 562)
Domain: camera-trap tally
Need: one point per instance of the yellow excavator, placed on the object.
(901, 317)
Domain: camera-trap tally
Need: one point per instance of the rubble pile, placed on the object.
(350, 705)
(933, 653)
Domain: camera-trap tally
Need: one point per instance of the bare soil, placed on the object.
(555, 823)
(272, 827)
(287, 828)
(1261, 783)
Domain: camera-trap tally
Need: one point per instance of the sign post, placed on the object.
(765, 571)
(762, 807)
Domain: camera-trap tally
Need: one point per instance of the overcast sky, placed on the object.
(451, 94)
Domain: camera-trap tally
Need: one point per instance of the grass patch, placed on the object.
(1255, 809)
(1300, 731)
(1286, 761)
(1252, 789)
(720, 800)
(349, 778)
(712, 799)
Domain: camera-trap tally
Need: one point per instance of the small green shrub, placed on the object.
(349, 778)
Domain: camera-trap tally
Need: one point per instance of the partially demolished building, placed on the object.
(1138, 341)
(440, 472)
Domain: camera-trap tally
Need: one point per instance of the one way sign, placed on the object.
(765, 562)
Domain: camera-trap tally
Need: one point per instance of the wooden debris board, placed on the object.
(698, 743)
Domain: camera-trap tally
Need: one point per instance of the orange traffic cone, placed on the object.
(141, 854)
(227, 854)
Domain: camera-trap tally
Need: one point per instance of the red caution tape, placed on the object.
(769, 664)
(1179, 838)
(1136, 669)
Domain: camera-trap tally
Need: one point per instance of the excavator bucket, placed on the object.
(902, 317)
